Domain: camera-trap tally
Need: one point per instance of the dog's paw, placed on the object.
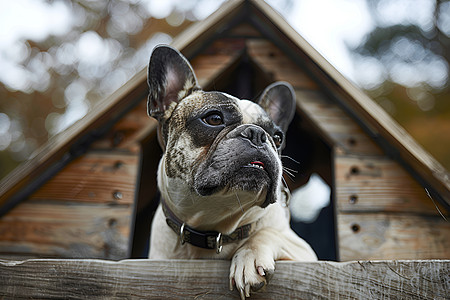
(251, 270)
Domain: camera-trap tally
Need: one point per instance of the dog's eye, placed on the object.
(278, 139)
(213, 120)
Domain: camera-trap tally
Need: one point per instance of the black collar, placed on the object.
(202, 239)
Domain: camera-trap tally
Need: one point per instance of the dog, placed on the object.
(220, 176)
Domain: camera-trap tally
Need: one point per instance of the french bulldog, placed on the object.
(220, 177)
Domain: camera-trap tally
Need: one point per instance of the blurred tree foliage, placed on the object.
(405, 68)
(61, 77)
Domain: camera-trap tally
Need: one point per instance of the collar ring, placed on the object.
(219, 243)
(182, 234)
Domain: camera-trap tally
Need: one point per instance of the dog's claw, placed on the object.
(241, 292)
(250, 272)
(261, 271)
(247, 290)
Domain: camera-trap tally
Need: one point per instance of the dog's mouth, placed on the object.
(255, 164)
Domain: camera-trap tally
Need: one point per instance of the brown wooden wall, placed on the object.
(86, 210)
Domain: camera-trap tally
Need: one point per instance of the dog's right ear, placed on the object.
(170, 79)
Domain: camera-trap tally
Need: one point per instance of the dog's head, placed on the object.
(215, 144)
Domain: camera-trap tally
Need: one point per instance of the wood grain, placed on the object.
(217, 59)
(202, 279)
(336, 126)
(392, 236)
(96, 177)
(273, 61)
(379, 184)
(57, 229)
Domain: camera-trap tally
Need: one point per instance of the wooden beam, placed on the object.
(203, 279)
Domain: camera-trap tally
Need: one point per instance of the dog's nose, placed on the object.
(255, 134)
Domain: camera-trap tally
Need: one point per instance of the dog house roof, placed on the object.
(392, 138)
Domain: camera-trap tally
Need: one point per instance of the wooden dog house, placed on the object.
(90, 192)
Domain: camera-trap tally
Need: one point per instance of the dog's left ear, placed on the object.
(278, 100)
(170, 79)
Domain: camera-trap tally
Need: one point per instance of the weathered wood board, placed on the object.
(334, 124)
(216, 59)
(84, 211)
(96, 177)
(274, 62)
(62, 229)
(392, 236)
(202, 279)
(379, 184)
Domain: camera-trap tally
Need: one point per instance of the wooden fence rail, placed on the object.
(203, 279)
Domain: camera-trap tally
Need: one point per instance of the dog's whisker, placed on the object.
(239, 201)
(258, 195)
(289, 169)
(291, 178)
(289, 173)
(286, 156)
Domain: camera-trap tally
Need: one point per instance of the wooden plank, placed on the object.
(96, 177)
(274, 62)
(334, 124)
(61, 229)
(203, 279)
(378, 184)
(392, 236)
(361, 106)
(216, 59)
